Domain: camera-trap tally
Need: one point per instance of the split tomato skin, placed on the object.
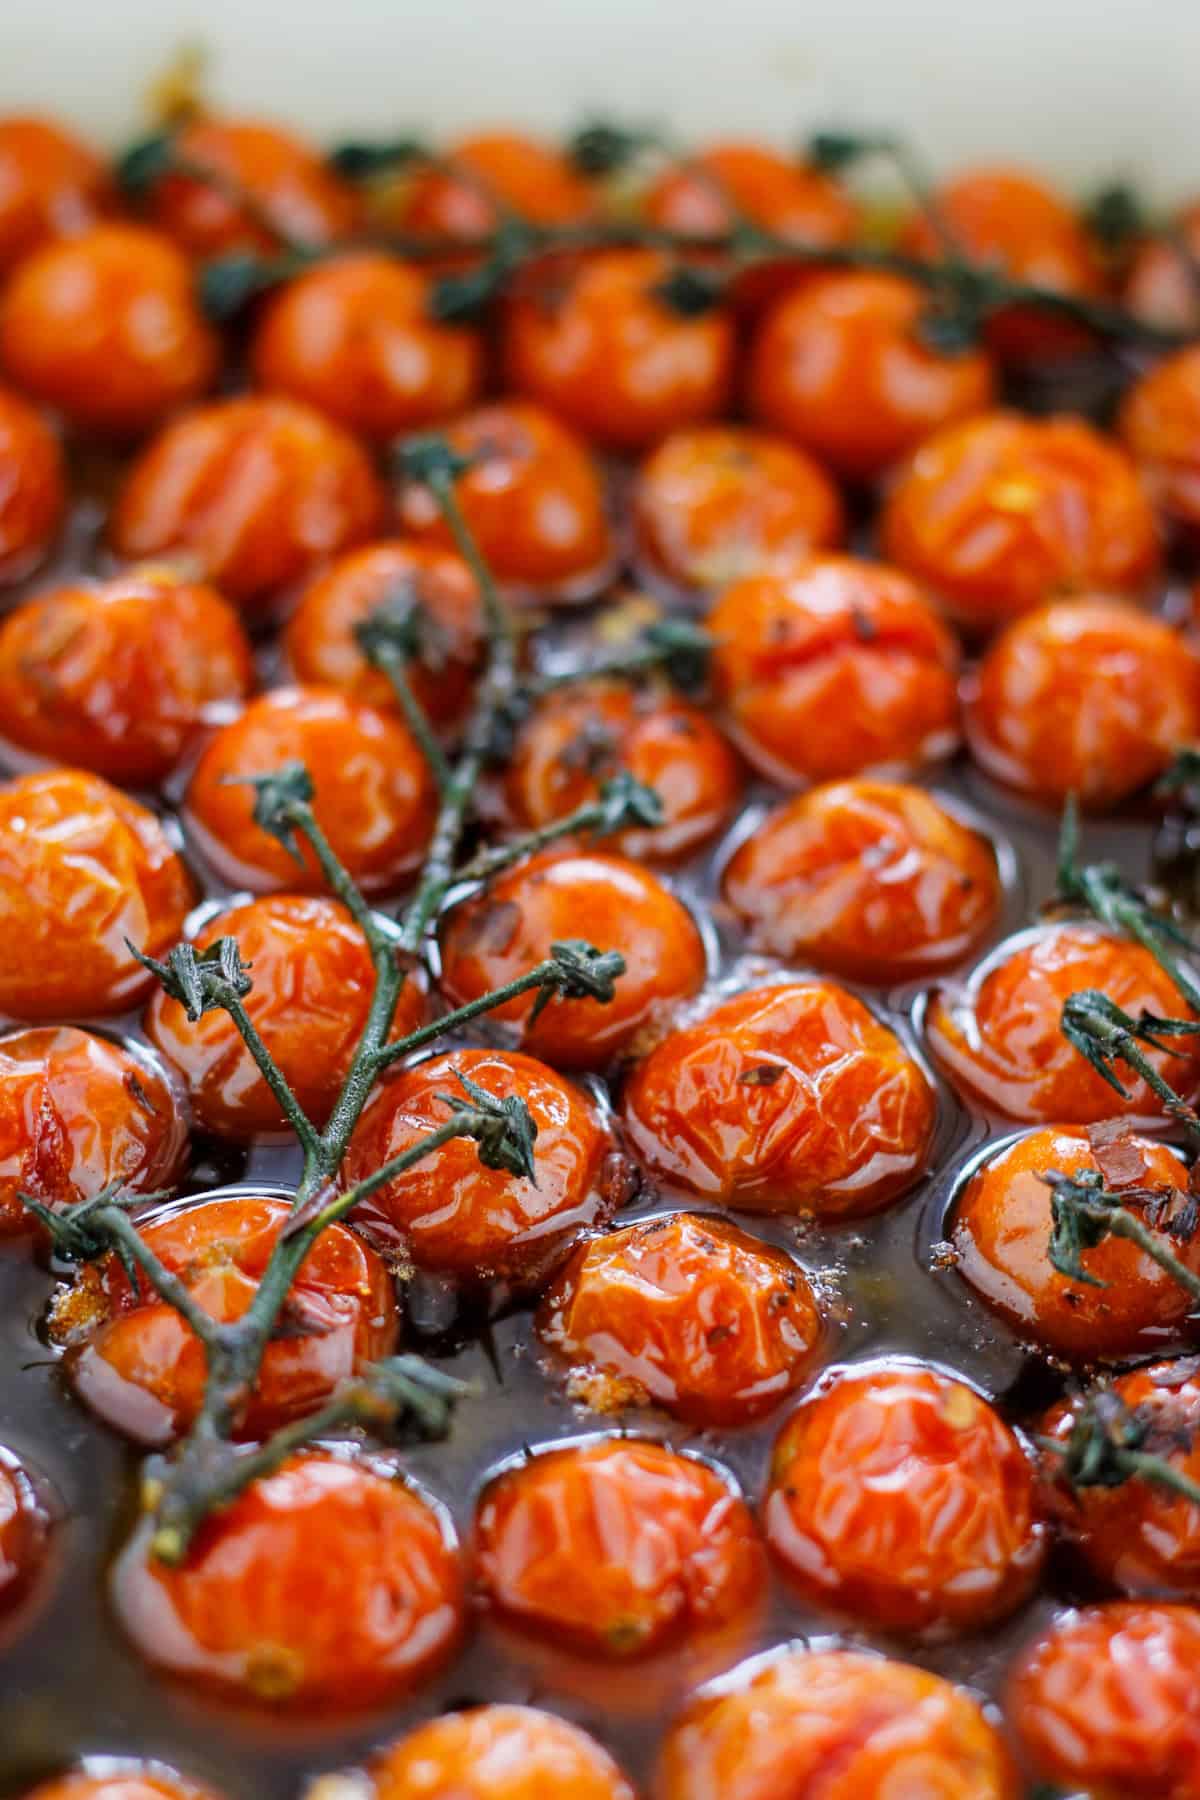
(33, 487)
(52, 185)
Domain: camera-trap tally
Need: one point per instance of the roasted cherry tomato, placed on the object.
(1108, 1700)
(1161, 285)
(582, 736)
(1004, 512)
(33, 495)
(617, 1547)
(608, 350)
(82, 869)
(452, 1213)
(900, 1497)
(790, 1098)
(612, 904)
(841, 368)
(1160, 426)
(24, 1532)
(51, 184)
(105, 327)
(374, 793)
(717, 503)
(254, 492)
(328, 1586)
(490, 1753)
(133, 1360)
(836, 1723)
(533, 499)
(313, 981)
(119, 676)
(868, 879)
(481, 178)
(1001, 1236)
(686, 1313)
(112, 1778)
(836, 667)
(1000, 1041)
(78, 1113)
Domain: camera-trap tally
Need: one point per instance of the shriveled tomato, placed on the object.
(1159, 424)
(491, 1753)
(481, 178)
(25, 1525)
(32, 487)
(51, 185)
(113, 1778)
(1161, 285)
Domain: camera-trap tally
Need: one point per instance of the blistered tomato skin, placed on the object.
(790, 1098)
(1160, 285)
(25, 1526)
(79, 1112)
(1001, 1236)
(1109, 1700)
(617, 1548)
(82, 869)
(834, 1725)
(374, 793)
(999, 1038)
(451, 1214)
(868, 879)
(110, 1778)
(1159, 423)
(584, 735)
(120, 676)
(313, 980)
(606, 900)
(327, 1587)
(1089, 697)
(462, 197)
(839, 367)
(686, 1313)
(837, 667)
(51, 185)
(133, 1361)
(33, 496)
(254, 492)
(491, 1753)
(1001, 513)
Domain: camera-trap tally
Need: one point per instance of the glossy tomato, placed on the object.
(33, 495)
(1159, 424)
(52, 185)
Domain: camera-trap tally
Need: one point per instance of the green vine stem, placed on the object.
(1103, 1449)
(1084, 1212)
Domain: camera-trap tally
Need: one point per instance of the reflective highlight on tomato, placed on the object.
(33, 496)
(52, 184)
(25, 1526)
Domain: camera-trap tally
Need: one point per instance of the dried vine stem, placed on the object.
(1105, 1448)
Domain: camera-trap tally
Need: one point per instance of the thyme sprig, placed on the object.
(1105, 1448)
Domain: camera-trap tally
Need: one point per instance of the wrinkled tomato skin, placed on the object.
(1159, 423)
(313, 980)
(106, 1778)
(1109, 1698)
(839, 368)
(327, 1587)
(105, 328)
(52, 185)
(610, 902)
(120, 676)
(1160, 286)
(25, 1528)
(33, 493)
(77, 1113)
(1001, 1236)
(837, 667)
(808, 1724)
(617, 1548)
(999, 1038)
(841, 1130)
(584, 735)
(82, 868)
(899, 1496)
(478, 176)
(493, 1752)
(253, 492)
(133, 1361)
(686, 1313)
(1089, 697)
(374, 793)
(1002, 512)
(868, 879)
(453, 1215)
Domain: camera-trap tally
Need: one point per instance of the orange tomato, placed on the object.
(33, 495)
(51, 185)
(110, 1778)
(1159, 423)
(1160, 285)
(482, 177)
(492, 1753)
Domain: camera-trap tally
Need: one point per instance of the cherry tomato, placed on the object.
(612, 356)
(533, 499)
(492, 1753)
(868, 879)
(790, 1098)
(51, 184)
(112, 1778)
(33, 495)
(254, 492)
(105, 327)
(582, 736)
(686, 1313)
(1004, 512)
(313, 981)
(1109, 1699)
(616, 1548)
(1159, 424)
(899, 1496)
(840, 367)
(374, 793)
(82, 869)
(78, 1113)
(453, 1214)
(609, 902)
(330, 1585)
(1002, 1237)
(24, 1532)
(481, 178)
(1000, 1041)
(1160, 285)
(836, 667)
(119, 676)
(134, 1362)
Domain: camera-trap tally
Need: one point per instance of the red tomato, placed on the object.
(1161, 284)
(51, 184)
(493, 1753)
(33, 494)
(480, 178)
(24, 1532)
(1159, 424)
